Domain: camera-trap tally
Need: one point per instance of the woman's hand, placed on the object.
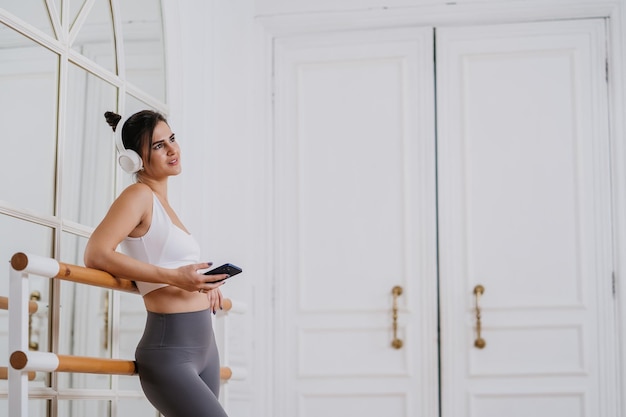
(215, 299)
(188, 278)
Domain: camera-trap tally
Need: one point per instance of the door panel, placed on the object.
(524, 211)
(355, 204)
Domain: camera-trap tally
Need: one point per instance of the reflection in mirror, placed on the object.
(34, 13)
(28, 111)
(84, 324)
(23, 236)
(133, 105)
(91, 408)
(138, 406)
(38, 408)
(74, 8)
(89, 151)
(144, 55)
(130, 331)
(95, 39)
(88, 319)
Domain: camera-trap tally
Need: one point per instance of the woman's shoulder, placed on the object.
(138, 188)
(137, 193)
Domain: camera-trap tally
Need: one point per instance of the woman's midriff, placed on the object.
(175, 300)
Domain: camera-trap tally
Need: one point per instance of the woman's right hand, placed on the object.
(188, 278)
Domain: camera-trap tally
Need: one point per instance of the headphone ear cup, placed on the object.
(130, 161)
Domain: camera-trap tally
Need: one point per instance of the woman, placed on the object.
(177, 358)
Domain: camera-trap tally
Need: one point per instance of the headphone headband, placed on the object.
(117, 133)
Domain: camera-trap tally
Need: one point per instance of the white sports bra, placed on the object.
(164, 244)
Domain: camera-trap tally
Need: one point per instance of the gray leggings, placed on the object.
(178, 364)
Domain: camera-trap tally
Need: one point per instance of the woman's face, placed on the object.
(165, 155)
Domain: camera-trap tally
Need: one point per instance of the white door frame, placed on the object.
(272, 27)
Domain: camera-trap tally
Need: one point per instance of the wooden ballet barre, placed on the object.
(4, 373)
(227, 304)
(25, 363)
(83, 275)
(50, 362)
(225, 373)
(32, 305)
(80, 274)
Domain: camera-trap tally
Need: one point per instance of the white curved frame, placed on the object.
(61, 44)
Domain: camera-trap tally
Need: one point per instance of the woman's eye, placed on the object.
(157, 146)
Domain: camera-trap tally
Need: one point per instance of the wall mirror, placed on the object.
(63, 63)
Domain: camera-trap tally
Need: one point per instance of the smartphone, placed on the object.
(229, 269)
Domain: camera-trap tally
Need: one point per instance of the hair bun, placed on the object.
(112, 119)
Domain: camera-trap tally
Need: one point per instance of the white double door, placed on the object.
(488, 165)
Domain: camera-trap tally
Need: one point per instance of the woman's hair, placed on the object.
(137, 130)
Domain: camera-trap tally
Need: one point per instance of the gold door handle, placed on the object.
(396, 292)
(479, 342)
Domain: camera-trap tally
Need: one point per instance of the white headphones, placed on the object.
(129, 160)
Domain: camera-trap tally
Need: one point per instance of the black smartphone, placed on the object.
(229, 269)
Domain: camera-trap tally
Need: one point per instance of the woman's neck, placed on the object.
(159, 187)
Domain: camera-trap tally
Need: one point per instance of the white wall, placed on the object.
(219, 91)
(211, 96)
